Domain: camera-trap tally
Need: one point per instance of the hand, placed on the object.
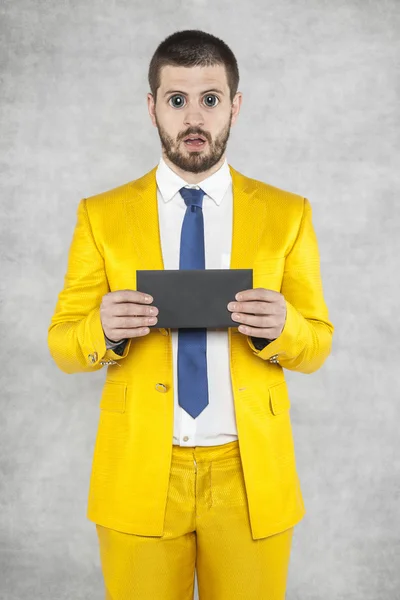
(125, 314)
(262, 311)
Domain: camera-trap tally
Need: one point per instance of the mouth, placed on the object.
(195, 141)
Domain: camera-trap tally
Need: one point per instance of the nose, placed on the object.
(193, 120)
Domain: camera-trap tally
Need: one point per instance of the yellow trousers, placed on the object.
(206, 528)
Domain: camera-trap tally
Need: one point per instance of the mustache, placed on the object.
(199, 133)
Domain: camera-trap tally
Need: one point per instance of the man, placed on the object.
(194, 466)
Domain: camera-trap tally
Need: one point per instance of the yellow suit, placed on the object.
(117, 233)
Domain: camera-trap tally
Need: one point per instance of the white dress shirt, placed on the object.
(216, 424)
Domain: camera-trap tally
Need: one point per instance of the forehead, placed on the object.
(193, 79)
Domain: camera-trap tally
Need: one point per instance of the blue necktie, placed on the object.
(192, 343)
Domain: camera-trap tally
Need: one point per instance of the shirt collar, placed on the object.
(215, 186)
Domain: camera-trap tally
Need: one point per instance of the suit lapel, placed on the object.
(142, 222)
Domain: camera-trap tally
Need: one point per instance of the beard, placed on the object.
(192, 161)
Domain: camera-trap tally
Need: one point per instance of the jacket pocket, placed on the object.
(279, 398)
(281, 430)
(113, 398)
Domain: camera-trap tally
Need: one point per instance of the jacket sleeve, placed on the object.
(75, 336)
(306, 339)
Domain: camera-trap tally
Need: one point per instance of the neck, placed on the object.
(194, 177)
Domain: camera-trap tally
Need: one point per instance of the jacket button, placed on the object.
(164, 331)
(93, 357)
(160, 387)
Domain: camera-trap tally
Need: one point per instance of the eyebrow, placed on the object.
(201, 93)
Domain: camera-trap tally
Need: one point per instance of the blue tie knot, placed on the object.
(192, 197)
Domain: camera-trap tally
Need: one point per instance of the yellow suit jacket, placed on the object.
(116, 233)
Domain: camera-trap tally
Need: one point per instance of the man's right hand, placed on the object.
(126, 314)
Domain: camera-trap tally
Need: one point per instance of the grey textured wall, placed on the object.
(320, 117)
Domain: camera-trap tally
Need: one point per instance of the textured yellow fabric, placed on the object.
(117, 233)
(206, 527)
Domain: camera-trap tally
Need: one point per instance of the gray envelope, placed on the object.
(188, 298)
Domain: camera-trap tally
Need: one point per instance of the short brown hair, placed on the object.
(192, 48)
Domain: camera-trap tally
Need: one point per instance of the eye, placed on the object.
(210, 97)
(178, 102)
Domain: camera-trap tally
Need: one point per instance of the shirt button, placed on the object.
(185, 439)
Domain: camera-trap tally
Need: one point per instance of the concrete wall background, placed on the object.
(320, 117)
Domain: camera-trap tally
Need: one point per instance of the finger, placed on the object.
(257, 294)
(125, 322)
(130, 296)
(265, 332)
(133, 310)
(256, 308)
(131, 332)
(264, 321)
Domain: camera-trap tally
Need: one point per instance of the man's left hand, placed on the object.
(262, 312)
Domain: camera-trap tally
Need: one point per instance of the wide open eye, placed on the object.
(209, 97)
(177, 100)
